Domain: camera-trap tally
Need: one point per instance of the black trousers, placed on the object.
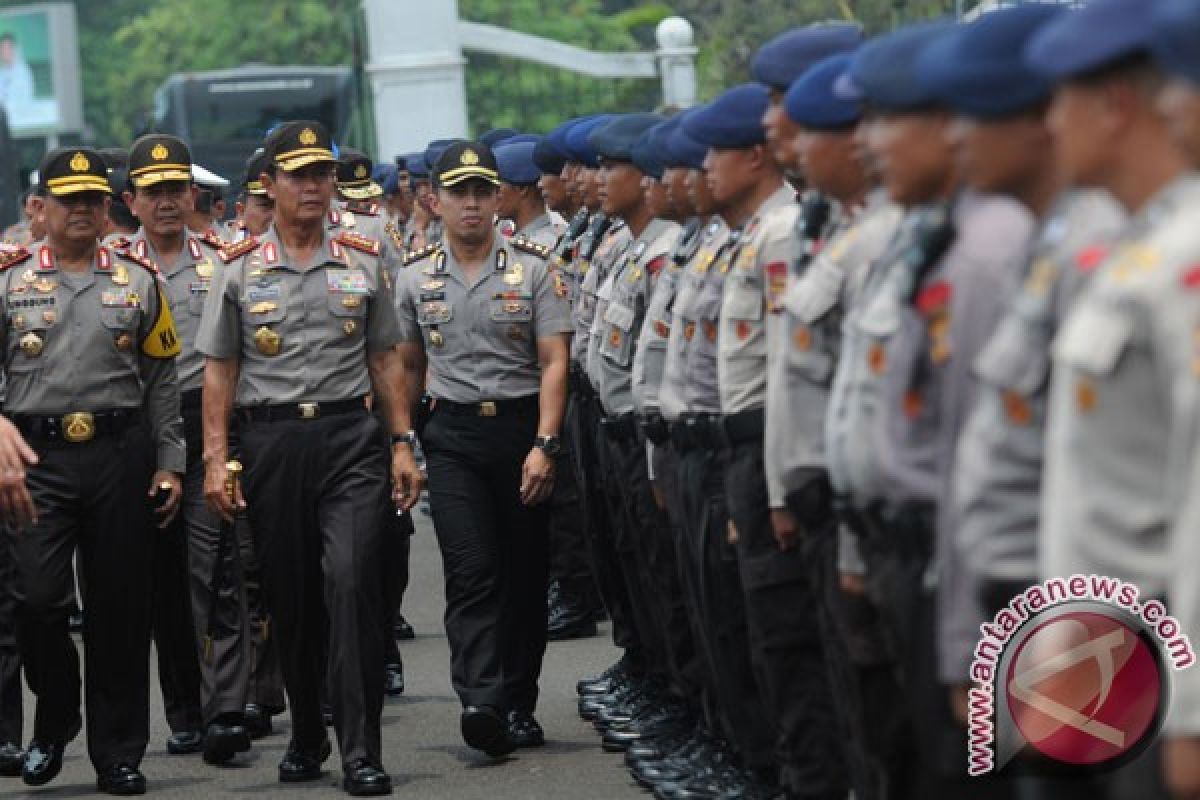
(265, 687)
(92, 497)
(570, 562)
(721, 608)
(316, 490)
(11, 713)
(221, 644)
(594, 472)
(397, 543)
(494, 555)
(786, 648)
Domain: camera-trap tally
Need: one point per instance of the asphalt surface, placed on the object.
(423, 750)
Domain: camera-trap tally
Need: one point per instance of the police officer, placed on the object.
(255, 208)
(484, 315)
(160, 194)
(298, 328)
(519, 198)
(209, 206)
(550, 160)
(1143, 304)
(418, 230)
(90, 381)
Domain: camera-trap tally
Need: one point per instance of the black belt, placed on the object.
(289, 411)
(696, 432)
(744, 427)
(520, 406)
(190, 400)
(656, 429)
(76, 427)
(621, 427)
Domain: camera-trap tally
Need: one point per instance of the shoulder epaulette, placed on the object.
(362, 207)
(234, 251)
(359, 242)
(10, 257)
(119, 242)
(530, 246)
(132, 257)
(414, 256)
(212, 240)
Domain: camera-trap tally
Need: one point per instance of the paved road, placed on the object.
(422, 747)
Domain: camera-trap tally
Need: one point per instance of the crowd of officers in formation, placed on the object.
(799, 386)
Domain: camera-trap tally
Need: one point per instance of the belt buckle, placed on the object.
(79, 427)
(309, 410)
(488, 408)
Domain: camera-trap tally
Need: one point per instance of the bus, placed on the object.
(10, 178)
(224, 114)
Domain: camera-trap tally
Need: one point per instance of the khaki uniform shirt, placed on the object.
(480, 335)
(95, 341)
(301, 333)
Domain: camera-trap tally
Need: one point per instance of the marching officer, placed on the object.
(91, 383)
(203, 654)
(298, 328)
(254, 209)
(490, 322)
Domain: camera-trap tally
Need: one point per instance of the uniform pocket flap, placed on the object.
(881, 316)
(816, 292)
(1093, 339)
(621, 316)
(1015, 358)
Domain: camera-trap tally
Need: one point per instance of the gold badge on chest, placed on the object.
(268, 342)
(32, 345)
(120, 275)
(515, 275)
(205, 268)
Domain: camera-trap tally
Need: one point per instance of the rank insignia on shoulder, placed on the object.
(12, 257)
(120, 242)
(212, 240)
(530, 246)
(141, 261)
(414, 256)
(357, 241)
(232, 252)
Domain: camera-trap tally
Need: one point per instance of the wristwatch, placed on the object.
(551, 445)
(408, 437)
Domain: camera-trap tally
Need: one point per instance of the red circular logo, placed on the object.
(1085, 688)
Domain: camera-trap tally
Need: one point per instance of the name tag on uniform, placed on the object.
(117, 298)
(434, 313)
(33, 301)
(347, 281)
(263, 292)
(199, 287)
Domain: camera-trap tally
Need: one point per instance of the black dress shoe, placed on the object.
(299, 766)
(363, 779)
(484, 729)
(185, 743)
(570, 623)
(42, 763)
(402, 629)
(222, 742)
(258, 721)
(121, 779)
(11, 759)
(393, 680)
(75, 622)
(524, 730)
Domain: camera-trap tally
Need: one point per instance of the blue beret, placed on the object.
(434, 150)
(514, 162)
(782, 60)
(614, 140)
(683, 150)
(496, 135)
(387, 176)
(578, 147)
(1099, 34)
(1175, 38)
(733, 119)
(417, 168)
(979, 69)
(812, 102)
(650, 151)
(557, 137)
(884, 70)
(547, 157)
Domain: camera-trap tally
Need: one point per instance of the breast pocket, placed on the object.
(197, 296)
(744, 300)
(510, 310)
(351, 305)
(122, 324)
(617, 346)
(1017, 358)
(1094, 339)
(264, 304)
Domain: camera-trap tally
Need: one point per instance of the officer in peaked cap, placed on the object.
(480, 315)
(780, 61)
(520, 200)
(91, 383)
(209, 205)
(255, 208)
(298, 329)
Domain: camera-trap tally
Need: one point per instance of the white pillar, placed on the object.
(415, 65)
(677, 61)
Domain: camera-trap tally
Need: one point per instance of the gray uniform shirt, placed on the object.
(366, 219)
(302, 334)
(750, 299)
(545, 229)
(618, 331)
(94, 341)
(187, 282)
(589, 276)
(480, 335)
(649, 359)
(597, 289)
(701, 316)
(673, 393)
(808, 345)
